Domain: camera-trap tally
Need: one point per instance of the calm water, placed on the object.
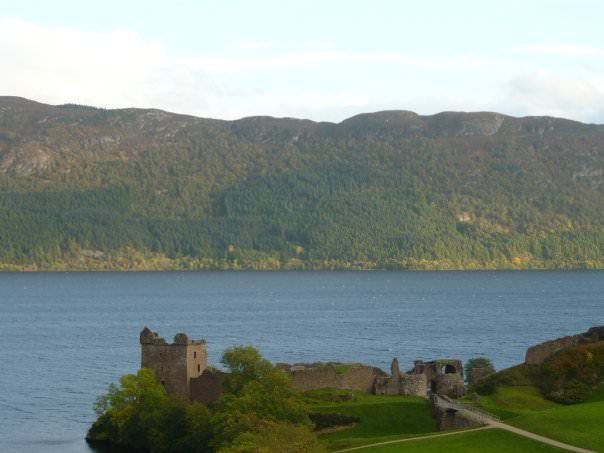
(65, 337)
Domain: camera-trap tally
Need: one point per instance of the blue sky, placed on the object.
(321, 60)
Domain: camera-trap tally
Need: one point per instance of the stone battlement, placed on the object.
(182, 368)
(174, 364)
(147, 336)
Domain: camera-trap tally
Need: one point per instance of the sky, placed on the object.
(322, 60)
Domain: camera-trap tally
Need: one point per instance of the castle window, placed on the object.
(199, 368)
(194, 354)
(163, 383)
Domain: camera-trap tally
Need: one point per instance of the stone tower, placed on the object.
(174, 364)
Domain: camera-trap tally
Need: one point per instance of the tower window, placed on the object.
(199, 368)
(194, 354)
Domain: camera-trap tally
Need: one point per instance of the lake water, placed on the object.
(66, 336)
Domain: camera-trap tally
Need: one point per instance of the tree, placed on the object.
(477, 362)
(130, 414)
(271, 437)
(139, 414)
(256, 392)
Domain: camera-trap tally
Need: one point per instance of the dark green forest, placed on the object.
(143, 189)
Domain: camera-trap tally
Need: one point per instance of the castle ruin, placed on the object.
(444, 377)
(182, 368)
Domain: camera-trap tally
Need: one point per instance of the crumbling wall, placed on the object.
(413, 384)
(313, 377)
(174, 364)
(450, 418)
(451, 385)
(535, 355)
(478, 373)
(207, 388)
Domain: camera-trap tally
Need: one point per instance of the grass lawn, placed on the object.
(579, 424)
(382, 418)
(509, 402)
(487, 441)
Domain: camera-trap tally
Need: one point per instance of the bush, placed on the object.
(476, 362)
(517, 375)
(570, 375)
(139, 414)
(274, 437)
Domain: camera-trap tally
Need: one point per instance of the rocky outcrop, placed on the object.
(535, 355)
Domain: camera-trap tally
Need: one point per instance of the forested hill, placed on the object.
(87, 188)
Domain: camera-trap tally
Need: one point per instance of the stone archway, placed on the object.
(448, 369)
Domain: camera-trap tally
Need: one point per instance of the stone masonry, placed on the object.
(174, 364)
(182, 368)
(327, 375)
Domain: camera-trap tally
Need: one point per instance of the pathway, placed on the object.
(408, 439)
(489, 420)
(495, 422)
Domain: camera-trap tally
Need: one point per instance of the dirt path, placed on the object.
(493, 424)
(537, 437)
(409, 439)
(485, 418)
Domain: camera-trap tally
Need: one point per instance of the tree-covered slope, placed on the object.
(90, 188)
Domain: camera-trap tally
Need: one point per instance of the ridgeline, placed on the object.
(83, 188)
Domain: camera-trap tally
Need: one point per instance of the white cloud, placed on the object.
(547, 94)
(564, 50)
(119, 68)
(266, 45)
(113, 69)
(296, 59)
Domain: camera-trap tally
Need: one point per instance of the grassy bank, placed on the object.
(381, 418)
(487, 441)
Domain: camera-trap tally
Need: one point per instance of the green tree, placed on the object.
(139, 414)
(477, 362)
(272, 437)
(256, 392)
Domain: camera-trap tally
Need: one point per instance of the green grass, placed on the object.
(579, 424)
(382, 417)
(487, 441)
(597, 395)
(509, 402)
(523, 406)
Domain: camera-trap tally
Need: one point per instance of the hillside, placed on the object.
(87, 188)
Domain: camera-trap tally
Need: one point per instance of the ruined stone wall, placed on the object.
(413, 384)
(478, 373)
(432, 370)
(452, 419)
(169, 363)
(535, 355)
(360, 377)
(207, 388)
(173, 364)
(451, 385)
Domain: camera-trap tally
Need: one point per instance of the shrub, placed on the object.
(476, 362)
(517, 375)
(570, 375)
